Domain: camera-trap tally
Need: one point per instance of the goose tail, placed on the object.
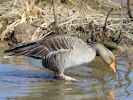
(20, 46)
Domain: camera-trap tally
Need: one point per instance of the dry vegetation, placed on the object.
(34, 19)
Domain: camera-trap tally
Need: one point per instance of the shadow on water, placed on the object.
(9, 70)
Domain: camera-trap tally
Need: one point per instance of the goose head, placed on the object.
(106, 55)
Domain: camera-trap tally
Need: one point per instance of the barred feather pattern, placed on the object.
(57, 53)
(42, 48)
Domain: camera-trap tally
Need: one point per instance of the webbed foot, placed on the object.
(61, 76)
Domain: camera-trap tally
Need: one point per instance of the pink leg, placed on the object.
(64, 77)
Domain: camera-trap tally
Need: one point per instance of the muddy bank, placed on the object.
(93, 21)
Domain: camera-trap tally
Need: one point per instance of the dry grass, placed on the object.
(70, 16)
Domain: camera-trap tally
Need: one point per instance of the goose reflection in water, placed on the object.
(18, 82)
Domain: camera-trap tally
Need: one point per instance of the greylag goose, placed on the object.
(60, 52)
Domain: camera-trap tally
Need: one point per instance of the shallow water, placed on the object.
(20, 80)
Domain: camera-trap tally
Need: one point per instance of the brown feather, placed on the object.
(41, 48)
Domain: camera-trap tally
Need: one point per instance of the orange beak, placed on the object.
(113, 67)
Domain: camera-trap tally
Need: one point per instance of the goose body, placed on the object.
(60, 52)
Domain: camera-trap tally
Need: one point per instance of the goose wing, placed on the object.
(41, 48)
